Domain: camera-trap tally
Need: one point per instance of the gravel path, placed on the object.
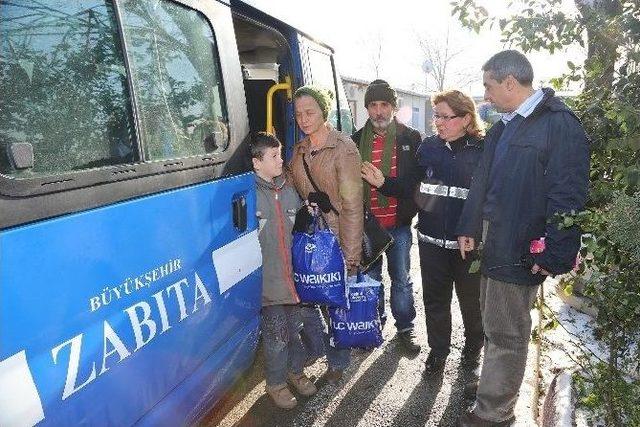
(381, 388)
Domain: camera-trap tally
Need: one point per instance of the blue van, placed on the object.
(129, 261)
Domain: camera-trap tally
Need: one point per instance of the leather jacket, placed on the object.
(335, 168)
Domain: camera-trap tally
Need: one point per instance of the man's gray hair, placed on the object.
(510, 62)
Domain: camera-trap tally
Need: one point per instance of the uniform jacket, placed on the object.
(440, 183)
(546, 171)
(335, 168)
(277, 204)
(407, 141)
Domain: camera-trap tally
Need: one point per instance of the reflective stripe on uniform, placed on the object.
(444, 190)
(458, 192)
(447, 244)
(435, 189)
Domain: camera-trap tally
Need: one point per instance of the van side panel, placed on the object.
(106, 312)
(188, 403)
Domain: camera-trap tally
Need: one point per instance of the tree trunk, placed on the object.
(603, 34)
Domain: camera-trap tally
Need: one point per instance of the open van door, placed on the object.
(319, 69)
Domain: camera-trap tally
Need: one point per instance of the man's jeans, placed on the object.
(398, 266)
(282, 346)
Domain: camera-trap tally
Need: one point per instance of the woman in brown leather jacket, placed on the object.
(334, 164)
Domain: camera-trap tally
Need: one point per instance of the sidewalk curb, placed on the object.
(580, 303)
(538, 353)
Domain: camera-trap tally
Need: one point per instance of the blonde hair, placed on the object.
(461, 104)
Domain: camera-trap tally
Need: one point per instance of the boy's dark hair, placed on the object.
(259, 142)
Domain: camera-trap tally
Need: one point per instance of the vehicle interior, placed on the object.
(265, 59)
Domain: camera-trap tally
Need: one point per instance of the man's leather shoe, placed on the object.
(434, 363)
(469, 419)
(408, 341)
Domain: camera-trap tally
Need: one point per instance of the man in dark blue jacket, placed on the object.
(535, 166)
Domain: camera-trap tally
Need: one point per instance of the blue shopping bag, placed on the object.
(319, 268)
(359, 325)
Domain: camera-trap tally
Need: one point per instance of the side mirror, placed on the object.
(21, 155)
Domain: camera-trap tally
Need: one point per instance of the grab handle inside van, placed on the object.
(272, 90)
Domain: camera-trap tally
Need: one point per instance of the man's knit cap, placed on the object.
(379, 90)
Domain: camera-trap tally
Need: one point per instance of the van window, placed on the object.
(63, 87)
(346, 118)
(176, 76)
(323, 76)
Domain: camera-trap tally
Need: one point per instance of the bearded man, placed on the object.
(391, 147)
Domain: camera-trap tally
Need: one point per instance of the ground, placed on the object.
(381, 388)
(561, 351)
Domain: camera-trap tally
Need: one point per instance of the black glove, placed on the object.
(321, 199)
(527, 261)
(303, 221)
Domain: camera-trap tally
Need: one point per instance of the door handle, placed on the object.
(239, 208)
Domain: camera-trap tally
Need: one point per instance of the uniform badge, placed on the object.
(429, 172)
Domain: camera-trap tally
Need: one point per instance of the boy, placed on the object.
(277, 202)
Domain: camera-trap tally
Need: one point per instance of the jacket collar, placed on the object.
(332, 141)
(549, 102)
(465, 141)
(277, 184)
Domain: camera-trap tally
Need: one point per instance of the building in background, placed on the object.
(414, 108)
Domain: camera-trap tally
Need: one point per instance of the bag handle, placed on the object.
(361, 282)
(313, 184)
(319, 219)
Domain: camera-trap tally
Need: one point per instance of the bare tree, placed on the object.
(440, 59)
(371, 46)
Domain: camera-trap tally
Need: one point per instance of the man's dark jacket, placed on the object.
(407, 141)
(545, 172)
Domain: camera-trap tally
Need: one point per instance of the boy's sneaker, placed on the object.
(282, 396)
(303, 384)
